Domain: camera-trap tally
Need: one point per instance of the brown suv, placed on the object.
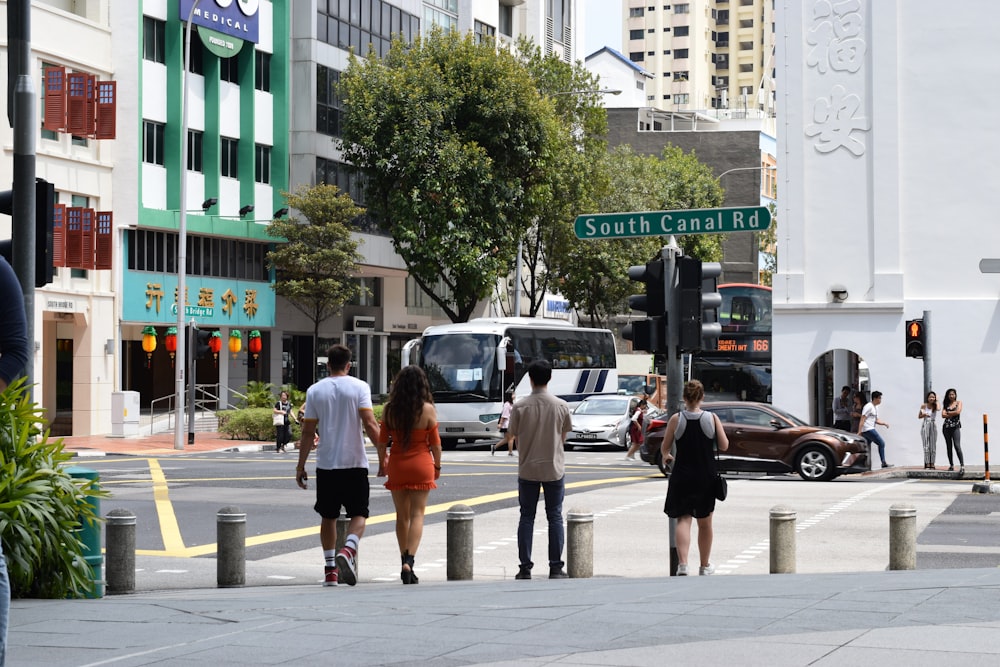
(763, 438)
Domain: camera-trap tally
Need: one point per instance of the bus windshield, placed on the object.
(462, 366)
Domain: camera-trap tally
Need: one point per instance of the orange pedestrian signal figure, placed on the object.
(915, 339)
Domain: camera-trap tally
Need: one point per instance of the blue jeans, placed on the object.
(4, 606)
(873, 436)
(527, 498)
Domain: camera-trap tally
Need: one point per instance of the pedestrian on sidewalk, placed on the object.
(928, 429)
(842, 409)
(13, 357)
(540, 422)
(635, 430)
(283, 431)
(695, 435)
(503, 423)
(869, 420)
(409, 422)
(340, 408)
(951, 429)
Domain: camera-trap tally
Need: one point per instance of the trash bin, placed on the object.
(124, 414)
(90, 535)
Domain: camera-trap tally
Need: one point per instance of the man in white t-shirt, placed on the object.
(869, 420)
(338, 407)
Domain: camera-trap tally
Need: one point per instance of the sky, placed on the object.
(603, 25)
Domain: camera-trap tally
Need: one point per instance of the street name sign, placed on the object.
(665, 223)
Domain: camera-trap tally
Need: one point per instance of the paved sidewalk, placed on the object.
(926, 617)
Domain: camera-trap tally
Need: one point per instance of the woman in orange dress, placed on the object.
(409, 426)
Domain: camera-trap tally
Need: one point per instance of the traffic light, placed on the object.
(45, 202)
(697, 303)
(915, 339)
(648, 334)
(201, 345)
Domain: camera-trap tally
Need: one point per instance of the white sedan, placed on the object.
(602, 420)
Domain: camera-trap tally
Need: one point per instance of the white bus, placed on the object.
(471, 365)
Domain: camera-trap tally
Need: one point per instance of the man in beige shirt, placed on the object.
(540, 422)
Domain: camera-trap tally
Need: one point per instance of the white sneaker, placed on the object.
(630, 458)
(682, 570)
(708, 569)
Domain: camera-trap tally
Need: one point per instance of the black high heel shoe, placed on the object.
(407, 574)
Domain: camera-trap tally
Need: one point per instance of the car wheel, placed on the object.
(626, 442)
(815, 464)
(665, 466)
(449, 443)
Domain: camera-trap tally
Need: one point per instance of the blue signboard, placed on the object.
(151, 297)
(236, 18)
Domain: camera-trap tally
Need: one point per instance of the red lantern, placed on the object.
(254, 346)
(170, 342)
(215, 345)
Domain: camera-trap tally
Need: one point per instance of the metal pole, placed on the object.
(192, 380)
(517, 281)
(182, 243)
(927, 352)
(675, 370)
(23, 204)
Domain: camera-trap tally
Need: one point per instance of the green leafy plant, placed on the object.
(41, 505)
(259, 395)
(251, 424)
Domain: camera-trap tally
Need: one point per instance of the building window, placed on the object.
(636, 12)
(262, 71)
(229, 69)
(681, 98)
(152, 142)
(682, 9)
(682, 31)
(418, 302)
(328, 110)
(484, 31)
(353, 24)
(506, 20)
(229, 165)
(197, 63)
(746, 46)
(635, 34)
(370, 294)
(153, 42)
(262, 164)
(681, 76)
(637, 56)
(195, 151)
(680, 53)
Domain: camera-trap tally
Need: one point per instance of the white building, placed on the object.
(886, 209)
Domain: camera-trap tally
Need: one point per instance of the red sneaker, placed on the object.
(347, 565)
(330, 576)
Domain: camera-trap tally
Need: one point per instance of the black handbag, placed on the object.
(721, 485)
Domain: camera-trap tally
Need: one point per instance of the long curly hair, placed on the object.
(410, 390)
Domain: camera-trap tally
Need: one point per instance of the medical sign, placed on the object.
(234, 18)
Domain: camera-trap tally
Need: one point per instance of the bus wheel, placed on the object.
(449, 443)
(664, 466)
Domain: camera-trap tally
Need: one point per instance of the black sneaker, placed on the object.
(523, 573)
(557, 573)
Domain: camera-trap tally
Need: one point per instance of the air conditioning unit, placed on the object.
(362, 323)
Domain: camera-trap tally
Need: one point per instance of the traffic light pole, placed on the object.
(22, 118)
(927, 352)
(675, 367)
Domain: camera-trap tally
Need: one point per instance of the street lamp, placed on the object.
(182, 242)
(599, 91)
(762, 166)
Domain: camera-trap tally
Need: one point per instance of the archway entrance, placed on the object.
(828, 373)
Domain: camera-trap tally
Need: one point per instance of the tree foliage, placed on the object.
(593, 274)
(768, 246)
(317, 261)
(456, 146)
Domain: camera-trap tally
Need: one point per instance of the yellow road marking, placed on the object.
(175, 547)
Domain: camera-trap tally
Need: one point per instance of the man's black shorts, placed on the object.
(347, 488)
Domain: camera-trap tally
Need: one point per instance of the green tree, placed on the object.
(594, 273)
(318, 256)
(454, 142)
(768, 245)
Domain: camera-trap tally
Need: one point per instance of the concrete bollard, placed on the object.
(782, 540)
(343, 523)
(902, 537)
(231, 563)
(460, 558)
(119, 552)
(580, 544)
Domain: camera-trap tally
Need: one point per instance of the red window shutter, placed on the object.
(55, 99)
(91, 106)
(59, 235)
(87, 235)
(107, 109)
(103, 239)
(77, 104)
(74, 237)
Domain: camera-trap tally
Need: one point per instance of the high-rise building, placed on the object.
(704, 54)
